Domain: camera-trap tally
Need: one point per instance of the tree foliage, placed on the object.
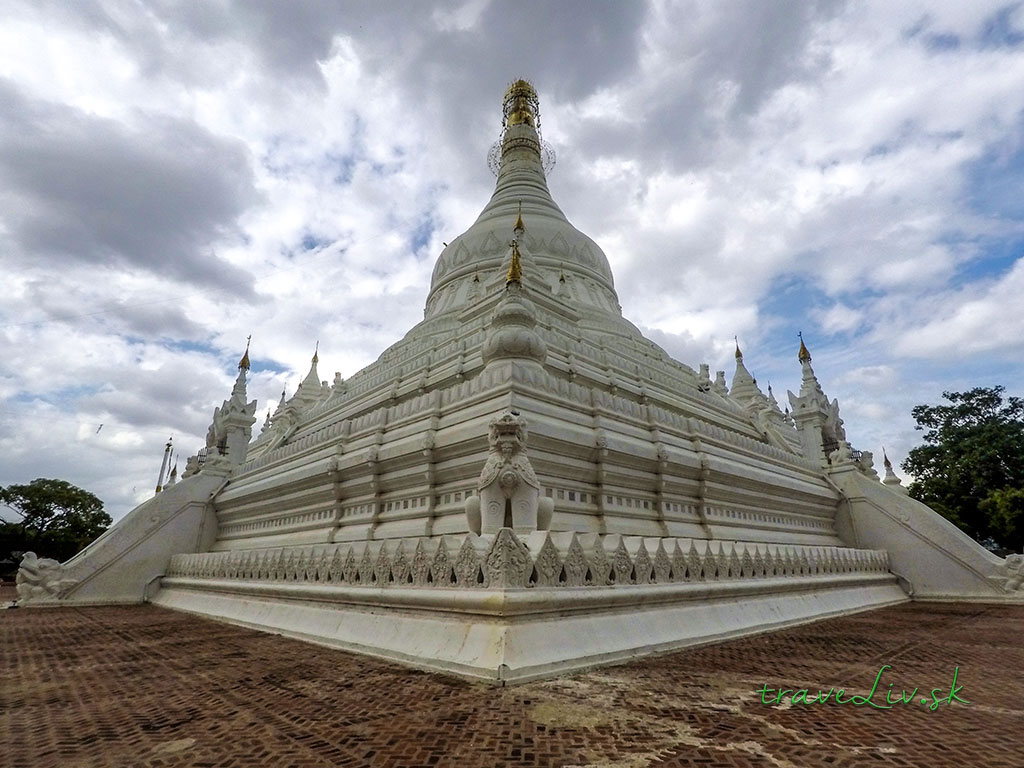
(971, 467)
(54, 519)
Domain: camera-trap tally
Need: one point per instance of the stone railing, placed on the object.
(540, 559)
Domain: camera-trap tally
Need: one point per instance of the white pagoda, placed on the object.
(525, 485)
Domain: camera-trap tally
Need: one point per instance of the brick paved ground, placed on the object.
(142, 686)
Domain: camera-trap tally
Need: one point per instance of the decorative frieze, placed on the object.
(541, 560)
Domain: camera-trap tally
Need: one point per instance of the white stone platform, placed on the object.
(499, 609)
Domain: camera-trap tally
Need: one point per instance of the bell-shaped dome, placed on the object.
(553, 246)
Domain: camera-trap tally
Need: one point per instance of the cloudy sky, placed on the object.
(177, 175)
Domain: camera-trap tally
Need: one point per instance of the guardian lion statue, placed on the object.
(39, 578)
(508, 490)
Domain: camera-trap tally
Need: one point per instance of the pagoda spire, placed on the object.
(744, 386)
(512, 331)
(804, 356)
(310, 389)
(312, 380)
(809, 386)
(891, 479)
(817, 419)
(520, 160)
(515, 266)
(243, 364)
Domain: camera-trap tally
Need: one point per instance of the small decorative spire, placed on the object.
(243, 364)
(316, 358)
(519, 226)
(515, 267)
(804, 356)
(739, 354)
(891, 480)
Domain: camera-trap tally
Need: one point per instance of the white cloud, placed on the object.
(981, 319)
(180, 176)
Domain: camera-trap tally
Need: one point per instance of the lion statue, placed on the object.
(39, 578)
(508, 489)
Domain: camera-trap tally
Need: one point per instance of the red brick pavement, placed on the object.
(142, 686)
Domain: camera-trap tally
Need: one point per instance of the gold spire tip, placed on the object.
(519, 226)
(316, 350)
(515, 267)
(521, 104)
(739, 354)
(244, 362)
(804, 356)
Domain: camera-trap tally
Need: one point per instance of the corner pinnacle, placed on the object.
(804, 356)
(515, 267)
(244, 362)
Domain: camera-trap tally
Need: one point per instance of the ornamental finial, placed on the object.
(804, 356)
(243, 364)
(739, 354)
(519, 226)
(521, 104)
(515, 267)
(316, 358)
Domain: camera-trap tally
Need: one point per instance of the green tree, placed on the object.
(55, 518)
(971, 467)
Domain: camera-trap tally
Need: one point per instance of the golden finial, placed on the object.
(515, 267)
(316, 358)
(244, 362)
(885, 460)
(804, 356)
(739, 355)
(519, 226)
(521, 104)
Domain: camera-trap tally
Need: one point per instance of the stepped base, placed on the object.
(502, 610)
(520, 635)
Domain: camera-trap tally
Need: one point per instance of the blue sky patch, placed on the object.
(185, 345)
(1000, 29)
(994, 184)
(343, 167)
(941, 43)
(422, 233)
